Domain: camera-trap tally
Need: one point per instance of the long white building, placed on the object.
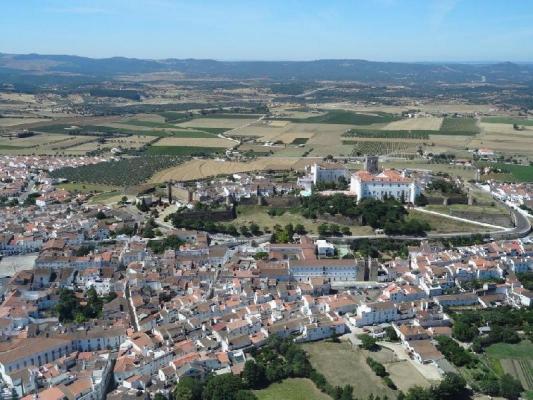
(325, 173)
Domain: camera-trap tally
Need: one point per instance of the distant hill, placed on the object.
(12, 65)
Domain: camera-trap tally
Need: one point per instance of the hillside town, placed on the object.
(103, 312)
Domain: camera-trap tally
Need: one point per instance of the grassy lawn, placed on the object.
(292, 389)
(446, 225)
(523, 349)
(496, 210)
(342, 365)
(107, 197)
(258, 214)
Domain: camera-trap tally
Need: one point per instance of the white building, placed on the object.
(375, 313)
(325, 173)
(324, 248)
(388, 183)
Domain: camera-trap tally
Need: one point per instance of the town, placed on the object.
(116, 300)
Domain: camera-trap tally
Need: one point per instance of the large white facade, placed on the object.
(388, 183)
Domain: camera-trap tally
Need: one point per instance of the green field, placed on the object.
(458, 126)
(346, 117)
(86, 187)
(523, 349)
(6, 147)
(380, 147)
(514, 359)
(149, 124)
(214, 131)
(511, 172)
(173, 116)
(508, 120)
(184, 150)
(292, 389)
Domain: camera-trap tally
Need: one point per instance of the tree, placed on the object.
(245, 395)
(300, 229)
(510, 387)
(254, 229)
(453, 386)
(188, 389)
(323, 229)
(222, 387)
(368, 342)
(245, 231)
(253, 375)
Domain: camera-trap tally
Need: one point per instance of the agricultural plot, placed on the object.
(458, 126)
(505, 139)
(514, 359)
(507, 120)
(117, 173)
(199, 169)
(194, 142)
(511, 173)
(389, 148)
(214, 122)
(415, 124)
(185, 150)
(388, 134)
(346, 118)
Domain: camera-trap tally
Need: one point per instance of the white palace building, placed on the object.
(369, 182)
(387, 183)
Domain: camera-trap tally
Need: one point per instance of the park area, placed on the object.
(292, 389)
(343, 364)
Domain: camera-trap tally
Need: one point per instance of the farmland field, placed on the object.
(459, 126)
(292, 389)
(199, 169)
(184, 150)
(117, 173)
(346, 117)
(422, 123)
(507, 120)
(389, 134)
(511, 173)
(194, 142)
(514, 359)
(362, 147)
(214, 122)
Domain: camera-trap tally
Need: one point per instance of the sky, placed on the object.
(380, 30)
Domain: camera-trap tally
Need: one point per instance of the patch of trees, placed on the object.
(443, 186)
(379, 370)
(526, 279)
(452, 387)
(503, 323)
(376, 248)
(388, 214)
(368, 342)
(122, 93)
(181, 221)
(453, 352)
(118, 173)
(333, 230)
(169, 242)
(504, 386)
(69, 307)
